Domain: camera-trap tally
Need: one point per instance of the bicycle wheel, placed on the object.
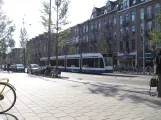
(7, 98)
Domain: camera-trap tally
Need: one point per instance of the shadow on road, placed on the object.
(122, 92)
(8, 116)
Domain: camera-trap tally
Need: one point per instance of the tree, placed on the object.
(23, 40)
(156, 39)
(102, 44)
(6, 32)
(71, 50)
(156, 34)
(62, 40)
(60, 9)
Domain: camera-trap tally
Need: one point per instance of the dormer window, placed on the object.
(121, 6)
(134, 1)
(125, 4)
(105, 11)
(109, 8)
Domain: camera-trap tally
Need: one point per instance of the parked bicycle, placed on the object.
(7, 95)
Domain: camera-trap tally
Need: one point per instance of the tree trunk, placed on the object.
(159, 86)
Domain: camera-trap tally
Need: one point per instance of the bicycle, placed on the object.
(7, 96)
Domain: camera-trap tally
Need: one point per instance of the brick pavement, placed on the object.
(55, 99)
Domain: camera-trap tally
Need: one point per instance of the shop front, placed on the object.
(126, 60)
(148, 57)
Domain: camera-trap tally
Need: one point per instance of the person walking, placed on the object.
(8, 67)
(158, 72)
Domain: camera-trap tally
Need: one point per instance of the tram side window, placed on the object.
(73, 63)
(101, 63)
(96, 63)
(89, 62)
(60, 62)
(53, 62)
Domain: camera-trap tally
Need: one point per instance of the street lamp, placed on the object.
(49, 34)
(143, 46)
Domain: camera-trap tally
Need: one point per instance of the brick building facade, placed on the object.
(119, 23)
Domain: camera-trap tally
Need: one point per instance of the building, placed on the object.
(115, 28)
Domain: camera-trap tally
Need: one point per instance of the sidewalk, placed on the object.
(40, 98)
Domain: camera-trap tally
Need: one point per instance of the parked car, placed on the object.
(33, 68)
(18, 68)
(12, 67)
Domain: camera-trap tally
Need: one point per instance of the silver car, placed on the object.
(32, 68)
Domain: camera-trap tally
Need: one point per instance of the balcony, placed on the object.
(125, 23)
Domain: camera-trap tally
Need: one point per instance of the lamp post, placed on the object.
(49, 35)
(143, 46)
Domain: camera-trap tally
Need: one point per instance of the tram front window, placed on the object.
(108, 61)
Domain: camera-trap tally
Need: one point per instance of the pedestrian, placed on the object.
(158, 72)
(8, 67)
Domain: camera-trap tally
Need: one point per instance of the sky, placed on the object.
(79, 11)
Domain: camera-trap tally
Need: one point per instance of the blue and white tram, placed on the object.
(86, 63)
(97, 63)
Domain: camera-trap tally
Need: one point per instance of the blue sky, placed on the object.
(79, 11)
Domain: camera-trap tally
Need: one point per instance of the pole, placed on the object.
(49, 35)
(24, 57)
(56, 47)
(143, 47)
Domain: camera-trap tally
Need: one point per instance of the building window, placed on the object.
(142, 13)
(109, 20)
(149, 12)
(99, 25)
(105, 22)
(114, 20)
(121, 46)
(121, 32)
(132, 16)
(141, 28)
(126, 17)
(91, 26)
(95, 25)
(86, 28)
(115, 47)
(133, 29)
(125, 4)
(121, 6)
(105, 11)
(157, 8)
(120, 20)
(126, 30)
(149, 26)
(157, 27)
(114, 34)
(133, 45)
(86, 38)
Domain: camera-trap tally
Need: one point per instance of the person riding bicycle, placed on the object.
(48, 70)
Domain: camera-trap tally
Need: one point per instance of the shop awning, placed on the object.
(148, 55)
(123, 57)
